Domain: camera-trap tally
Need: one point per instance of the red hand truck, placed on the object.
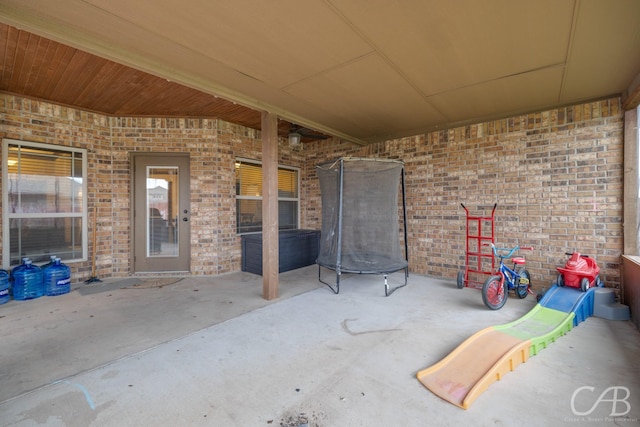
(479, 259)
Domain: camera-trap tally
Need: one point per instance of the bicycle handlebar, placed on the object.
(511, 250)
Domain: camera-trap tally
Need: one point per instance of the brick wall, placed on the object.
(29, 120)
(556, 176)
(212, 145)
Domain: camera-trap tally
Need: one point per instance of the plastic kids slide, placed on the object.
(489, 354)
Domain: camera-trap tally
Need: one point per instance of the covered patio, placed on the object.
(212, 351)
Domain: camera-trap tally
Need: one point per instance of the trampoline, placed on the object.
(360, 219)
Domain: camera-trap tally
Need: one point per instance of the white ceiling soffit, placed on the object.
(362, 70)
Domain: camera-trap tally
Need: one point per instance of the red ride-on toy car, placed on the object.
(580, 271)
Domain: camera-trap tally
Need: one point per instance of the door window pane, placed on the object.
(162, 211)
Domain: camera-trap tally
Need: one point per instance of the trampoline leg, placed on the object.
(388, 291)
(335, 290)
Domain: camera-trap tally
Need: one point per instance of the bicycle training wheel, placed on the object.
(523, 286)
(492, 296)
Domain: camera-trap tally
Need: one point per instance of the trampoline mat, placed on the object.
(366, 263)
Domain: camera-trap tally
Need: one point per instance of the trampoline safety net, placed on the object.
(360, 221)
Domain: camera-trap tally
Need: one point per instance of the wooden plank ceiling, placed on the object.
(39, 68)
(363, 71)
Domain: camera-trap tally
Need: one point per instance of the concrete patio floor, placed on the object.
(213, 352)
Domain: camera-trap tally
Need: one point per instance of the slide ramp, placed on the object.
(489, 354)
(570, 300)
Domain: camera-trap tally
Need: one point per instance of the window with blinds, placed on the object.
(249, 197)
(44, 202)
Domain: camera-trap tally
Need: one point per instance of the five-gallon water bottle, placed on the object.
(27, 281)
(4, 287)
(57, 278)
(18, 268)
(52, 261)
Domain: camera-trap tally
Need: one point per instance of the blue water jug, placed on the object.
(57, 278)
(18, 268)
(52, 261)
(27, 282)
(4, 287)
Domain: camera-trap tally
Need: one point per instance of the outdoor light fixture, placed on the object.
(294, 138)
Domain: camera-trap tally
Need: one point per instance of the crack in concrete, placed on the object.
(346, 328)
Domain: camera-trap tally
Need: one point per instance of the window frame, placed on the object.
(7, 215)
(631, 185)
(635, 140)
(237, 163)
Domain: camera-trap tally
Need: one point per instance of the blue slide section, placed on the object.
(568, 300)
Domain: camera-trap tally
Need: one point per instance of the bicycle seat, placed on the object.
(519, 260)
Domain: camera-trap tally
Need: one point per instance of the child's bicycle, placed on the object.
(496, 288)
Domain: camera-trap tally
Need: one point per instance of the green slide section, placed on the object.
(542, 326)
